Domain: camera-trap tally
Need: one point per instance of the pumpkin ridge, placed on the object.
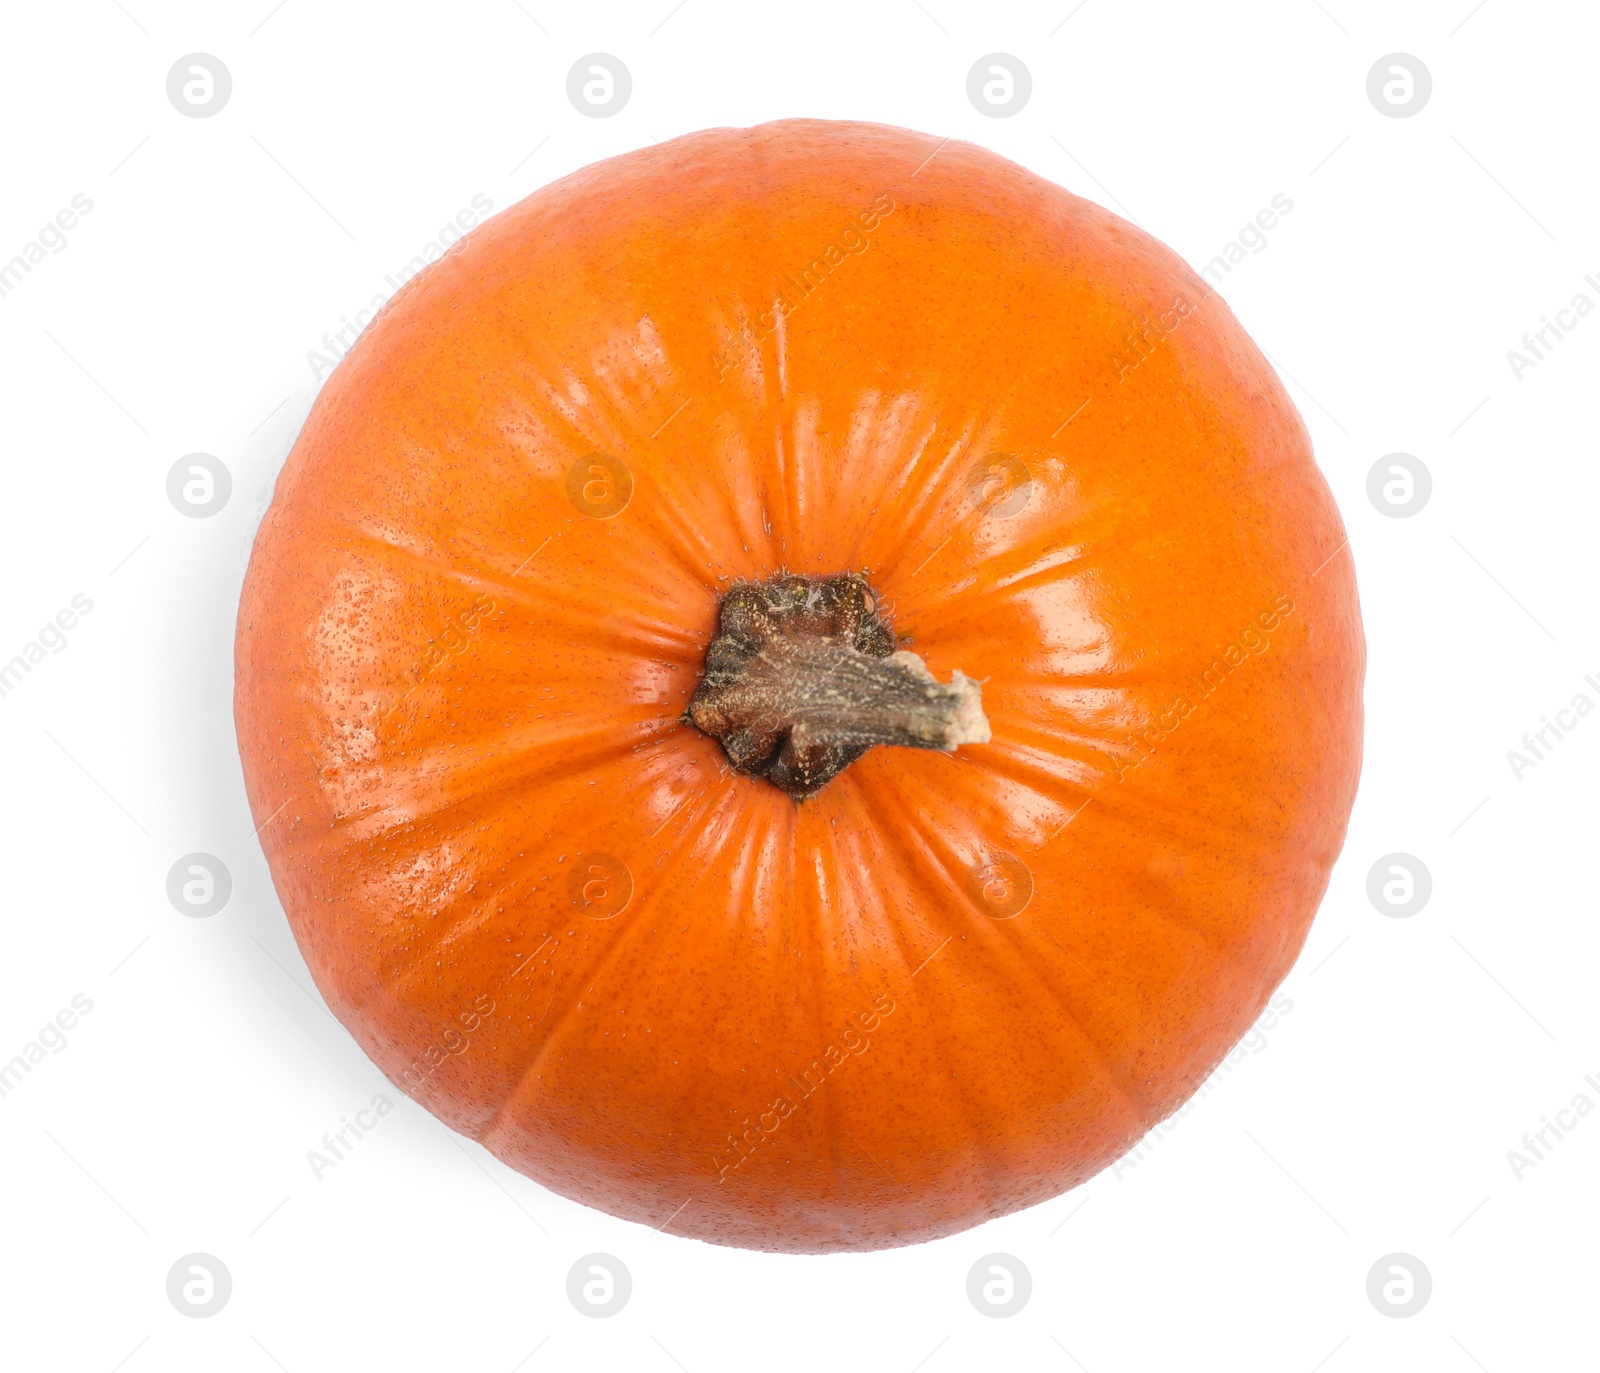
(948, 869)
(1070, 562)
(448, 564)
(1000, 763)
(510, 1095)
(505, 880)
(418, 807)
(1013, 958)
(931, 618)
(1026, 743)
(697, 562)
(645, 900)
(1218, 941)
(886, 919)
(913, 496)
(671, 537)
(616, 428)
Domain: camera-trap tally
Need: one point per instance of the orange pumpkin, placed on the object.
(1030, 733)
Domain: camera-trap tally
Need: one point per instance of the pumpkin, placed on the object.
(802, 686)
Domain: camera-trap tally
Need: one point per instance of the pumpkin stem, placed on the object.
(802, 678)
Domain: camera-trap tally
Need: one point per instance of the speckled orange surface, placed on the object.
(541, 902)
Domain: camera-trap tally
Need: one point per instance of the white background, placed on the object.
(1377, 1114)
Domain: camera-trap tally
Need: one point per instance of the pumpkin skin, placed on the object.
(812, 347)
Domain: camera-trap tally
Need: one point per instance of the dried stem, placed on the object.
(803, 678)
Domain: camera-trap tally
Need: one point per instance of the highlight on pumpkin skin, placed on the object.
(803, 677)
